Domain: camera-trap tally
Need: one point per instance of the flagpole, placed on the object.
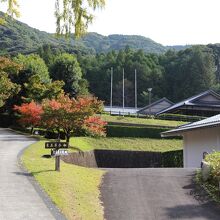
(135, 84)
(123, 94)
(111, 90)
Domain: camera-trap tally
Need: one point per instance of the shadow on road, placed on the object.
(194, 211)
(206, 208)
(33, 173)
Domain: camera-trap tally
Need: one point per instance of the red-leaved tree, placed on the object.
(71, 114)
(95, 126)
(30, 114)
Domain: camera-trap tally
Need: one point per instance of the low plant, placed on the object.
(211, 186)
(214, 161)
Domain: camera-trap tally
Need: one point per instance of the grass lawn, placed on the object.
(75, 190)
(139, 144)
(146, 121)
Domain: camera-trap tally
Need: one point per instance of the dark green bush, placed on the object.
(7, 120)
(132, 131)
(172, 158)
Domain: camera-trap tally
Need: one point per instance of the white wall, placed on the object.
(198, 141)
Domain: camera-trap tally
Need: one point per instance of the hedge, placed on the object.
(178, 117)
(131, 131)
(172, 158)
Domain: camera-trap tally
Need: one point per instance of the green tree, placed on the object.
(37, 91)
(46, 53)
(32, 65)
(7, 87)
(188, 72)
(66, 68)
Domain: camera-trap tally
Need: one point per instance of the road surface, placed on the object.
(18, 197)
(155, 194)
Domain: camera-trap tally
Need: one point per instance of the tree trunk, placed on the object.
(58, 138)
(32, 129)
(68, 137)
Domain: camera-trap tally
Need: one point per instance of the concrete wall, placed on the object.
(125, 159)
(198, 141)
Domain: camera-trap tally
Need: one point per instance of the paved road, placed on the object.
(154, 194)
(18, 197)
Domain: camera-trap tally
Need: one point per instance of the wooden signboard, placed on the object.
(56, 145)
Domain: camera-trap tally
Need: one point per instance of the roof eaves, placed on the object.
(188, 101)
(180, 130)
(155, 103)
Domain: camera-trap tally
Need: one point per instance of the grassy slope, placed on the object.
(75, 190)
(142, 144)
(146, 121)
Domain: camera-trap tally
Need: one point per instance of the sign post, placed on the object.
(57, 152)
(57, 163)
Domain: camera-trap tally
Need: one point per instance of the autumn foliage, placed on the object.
(30, 114)
(73, 114)
(95, 126)
(66, 114)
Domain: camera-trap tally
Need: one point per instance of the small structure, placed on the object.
(198, 138)
(155, 107)
(204, 104)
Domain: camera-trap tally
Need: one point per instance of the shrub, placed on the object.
(214, 160)
(172, 158)
(132, 131)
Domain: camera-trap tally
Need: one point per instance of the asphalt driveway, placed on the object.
(155, 194)
(19, 198)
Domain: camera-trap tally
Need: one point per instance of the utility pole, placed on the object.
(111, 90)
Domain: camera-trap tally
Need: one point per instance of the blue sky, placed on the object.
(169, 22)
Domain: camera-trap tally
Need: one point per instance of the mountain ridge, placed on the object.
(18, 37)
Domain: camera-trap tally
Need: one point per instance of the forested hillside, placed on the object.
(175, 75)
(17, 37)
